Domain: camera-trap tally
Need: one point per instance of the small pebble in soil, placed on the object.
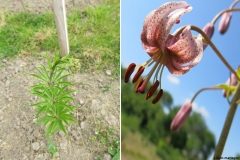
(108, 72)
(35, 146)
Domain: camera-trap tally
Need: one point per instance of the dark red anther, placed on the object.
(140, 81)
(138, 74)
(177, 21)
(129, 72)
(158, 97)
(152, 90)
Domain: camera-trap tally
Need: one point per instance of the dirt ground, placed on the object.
(21, 138)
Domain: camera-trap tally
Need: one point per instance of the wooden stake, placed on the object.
(61, 23)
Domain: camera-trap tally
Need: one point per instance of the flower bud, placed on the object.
(181, 117)
(233, 81)
(208, 30)
(224, 22)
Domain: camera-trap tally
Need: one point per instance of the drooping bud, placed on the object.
(208, 30)
(232, 82)
(224, 22)
(138, 74)
(129, 72)
(158, 97)
(181, 117)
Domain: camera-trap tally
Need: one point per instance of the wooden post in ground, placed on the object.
(61, 24)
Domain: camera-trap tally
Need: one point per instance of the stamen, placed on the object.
(155, 77)
(138, 74)
(143, 86)
(152, 90)
(158, 97)
(129, 72)
(140, 81)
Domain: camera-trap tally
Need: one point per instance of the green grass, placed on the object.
(94, 35)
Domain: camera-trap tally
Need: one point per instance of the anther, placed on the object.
(158, 97)
(140, 81)
(152, 89)
(138, 74)
(129, 72)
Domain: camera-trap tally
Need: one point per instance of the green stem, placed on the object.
(220, 13)
(203, 89)
(53, 69)
(227, 124)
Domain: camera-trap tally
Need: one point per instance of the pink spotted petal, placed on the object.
(173, 70)
(187, 51)
(159, 22)
(145, 42)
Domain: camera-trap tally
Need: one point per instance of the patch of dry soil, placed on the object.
(22, 139)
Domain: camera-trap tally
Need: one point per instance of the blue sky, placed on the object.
(210, 71)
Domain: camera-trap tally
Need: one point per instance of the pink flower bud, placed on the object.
(181, 117)
(224, 22)
(208, 30)
(233, 81)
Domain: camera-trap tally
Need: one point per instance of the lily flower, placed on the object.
(179, 53)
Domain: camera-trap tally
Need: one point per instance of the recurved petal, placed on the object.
(187, 51)
(175, 71)
(159, 22)
(144, 31)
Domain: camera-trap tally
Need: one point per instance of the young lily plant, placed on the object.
(53, 108)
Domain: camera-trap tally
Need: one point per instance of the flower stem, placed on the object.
(227, 124)
(203, 89)
(208, 40)
(220, 13)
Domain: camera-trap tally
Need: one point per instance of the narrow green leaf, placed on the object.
(61, 127)
(55, 78)
(62, 77)
(66, 93)
(49, 129)
(64, 106)
(68, 117)
(55, 127)
(45, 70)
(38, 77)
(42, 75)
(38, 104)
(39, 94)
(45, 119)
(65, 98)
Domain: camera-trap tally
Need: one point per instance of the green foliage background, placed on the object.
(140, 118)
